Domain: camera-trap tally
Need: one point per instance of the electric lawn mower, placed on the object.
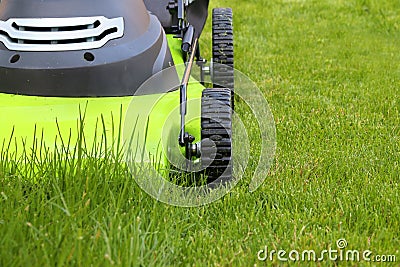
(61, 59)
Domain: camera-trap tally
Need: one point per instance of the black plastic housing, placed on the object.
(117, 68)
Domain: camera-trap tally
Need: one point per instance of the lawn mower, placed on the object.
(86, 65)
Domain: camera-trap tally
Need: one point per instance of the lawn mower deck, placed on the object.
(73, 66)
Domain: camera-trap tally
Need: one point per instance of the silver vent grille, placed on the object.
(59, 34)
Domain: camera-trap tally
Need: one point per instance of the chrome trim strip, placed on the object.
(17, 36)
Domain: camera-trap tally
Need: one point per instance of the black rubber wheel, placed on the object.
(222, 49)
(216, 134)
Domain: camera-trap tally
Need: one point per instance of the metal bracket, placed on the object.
(185, 139)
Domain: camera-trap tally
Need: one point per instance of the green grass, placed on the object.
(330, 70)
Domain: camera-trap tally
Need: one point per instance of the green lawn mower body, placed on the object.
(73, 67)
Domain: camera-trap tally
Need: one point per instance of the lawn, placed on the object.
(330, 70)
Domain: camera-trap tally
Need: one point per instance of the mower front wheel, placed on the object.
(216, 134)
